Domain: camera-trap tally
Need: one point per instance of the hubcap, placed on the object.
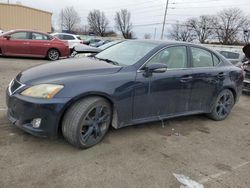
(53, 54)
(95, 124)
(224, 105)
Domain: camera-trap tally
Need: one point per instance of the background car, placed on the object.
(72, 39)
(109, 44)
(129, 83)
(85, 50)
(32, 44)
(233, 57)
(100, 43)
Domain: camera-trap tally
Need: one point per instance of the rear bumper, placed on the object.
(22, 110)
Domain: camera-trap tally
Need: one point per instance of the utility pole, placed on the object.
(155, 33)
(164, 20)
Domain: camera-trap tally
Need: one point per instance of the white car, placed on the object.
(73, 40)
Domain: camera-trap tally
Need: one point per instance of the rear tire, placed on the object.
(53, 54)
(223, 105)
(86, 123)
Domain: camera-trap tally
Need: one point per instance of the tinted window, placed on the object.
(173, 57)
(59, 36)
(201, 57)
(68, 37)
(20, 35)
(39, 36)
(128, 52)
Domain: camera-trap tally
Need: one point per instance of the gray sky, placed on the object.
(143, 12)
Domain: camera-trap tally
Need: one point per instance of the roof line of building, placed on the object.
(17, 5)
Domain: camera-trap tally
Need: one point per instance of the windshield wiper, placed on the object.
(108, 60)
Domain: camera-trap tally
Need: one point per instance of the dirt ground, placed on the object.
(216, 154)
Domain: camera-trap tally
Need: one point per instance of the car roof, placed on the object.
(26, 30)
(64, 34)
(166, 43)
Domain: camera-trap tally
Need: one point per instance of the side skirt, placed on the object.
(158, 118)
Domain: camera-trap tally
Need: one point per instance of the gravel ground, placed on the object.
(216, 154)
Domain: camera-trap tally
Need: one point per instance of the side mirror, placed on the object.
(155, 68)
(7, 37)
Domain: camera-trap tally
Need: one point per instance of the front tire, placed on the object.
(223, 105)
(53, 54)
(86, 122)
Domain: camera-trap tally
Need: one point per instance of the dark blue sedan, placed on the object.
(129, 83)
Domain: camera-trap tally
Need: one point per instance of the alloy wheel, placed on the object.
(53, 55)
(224, 105)
(95, 124)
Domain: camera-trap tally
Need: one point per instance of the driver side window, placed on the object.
(173, 57)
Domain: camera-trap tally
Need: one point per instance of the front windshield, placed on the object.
(127, 53)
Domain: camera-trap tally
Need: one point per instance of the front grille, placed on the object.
(14, 86)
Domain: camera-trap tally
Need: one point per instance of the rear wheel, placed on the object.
(53, 54)
(86, 123)
(223, 105)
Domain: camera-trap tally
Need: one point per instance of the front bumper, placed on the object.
(246, 86)
(22, 110)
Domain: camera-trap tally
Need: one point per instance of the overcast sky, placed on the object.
(143, 12)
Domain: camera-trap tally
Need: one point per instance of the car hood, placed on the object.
(64, 69)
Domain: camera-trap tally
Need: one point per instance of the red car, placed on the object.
(30, 43)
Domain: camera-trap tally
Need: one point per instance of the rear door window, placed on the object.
(68, 37)
(39, 36)
(201, 57)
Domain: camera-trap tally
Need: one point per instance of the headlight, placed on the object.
(46, 91)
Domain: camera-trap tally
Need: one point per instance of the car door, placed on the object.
(207, 78)
(164, 94)
(39, 44)
(17, 44)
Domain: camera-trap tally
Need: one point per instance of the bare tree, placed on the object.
(123, 23)
(147, 36)
(181, 32)
(69, 19)
(227, 25)
(202, 27)
(246, 32)
(98, 22)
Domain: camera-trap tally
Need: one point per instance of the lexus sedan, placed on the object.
(129, 83)
(28, 43)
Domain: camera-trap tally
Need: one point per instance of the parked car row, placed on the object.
(30, 43)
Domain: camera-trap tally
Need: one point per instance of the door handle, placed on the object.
(221, 75)
(186, 78)
(26, 43)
